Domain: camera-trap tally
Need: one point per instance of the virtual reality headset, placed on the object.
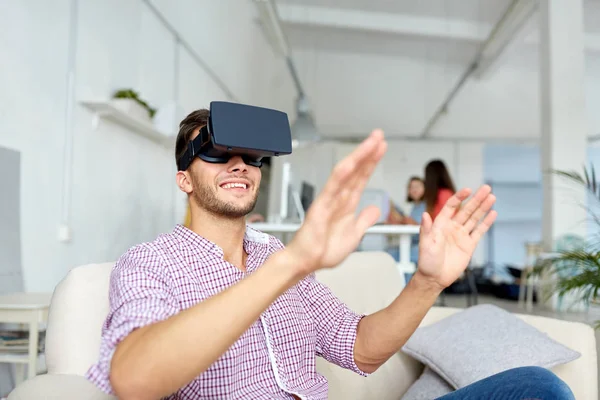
(240, 130)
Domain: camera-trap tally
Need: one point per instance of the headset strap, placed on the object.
(193, 149)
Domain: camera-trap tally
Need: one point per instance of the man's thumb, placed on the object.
(426, 223)
(367, 218)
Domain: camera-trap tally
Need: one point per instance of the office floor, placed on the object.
(589, 317)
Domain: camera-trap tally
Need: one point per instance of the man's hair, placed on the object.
(194, 120)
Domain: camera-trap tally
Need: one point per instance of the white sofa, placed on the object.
(367, 281)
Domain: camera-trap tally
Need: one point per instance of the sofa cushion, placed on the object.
(77, 312)
(482, 341)
(58, 387)
(368, 282)
(429, 386)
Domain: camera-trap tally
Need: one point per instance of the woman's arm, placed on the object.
(395, 217)
(410, 221)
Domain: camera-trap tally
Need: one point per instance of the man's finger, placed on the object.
(345, 169)
(358, 183)
(484, 226)
(466, 212)
(350, 194)
(451, 206)
(485, 206)
(426, 224)
(368, 162)
(365, 149)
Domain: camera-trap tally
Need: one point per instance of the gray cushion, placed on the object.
(429, 386)
(482, 341)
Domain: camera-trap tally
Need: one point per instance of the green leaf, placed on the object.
(132, 94)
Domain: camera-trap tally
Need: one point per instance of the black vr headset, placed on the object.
(240, 130)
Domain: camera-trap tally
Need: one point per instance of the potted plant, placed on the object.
(575, 272)
(129, 101)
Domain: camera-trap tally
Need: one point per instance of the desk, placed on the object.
(405, 233)
(30, 309)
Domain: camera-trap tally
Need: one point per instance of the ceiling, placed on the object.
(392, 63)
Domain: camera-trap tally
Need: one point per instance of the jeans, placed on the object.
(516, 384)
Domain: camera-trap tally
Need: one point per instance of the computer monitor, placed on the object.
(307, 195)
(291, 209)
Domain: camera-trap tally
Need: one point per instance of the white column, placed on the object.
(563, 116)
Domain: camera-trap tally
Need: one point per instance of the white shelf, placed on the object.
(104, 109)
(14, 358)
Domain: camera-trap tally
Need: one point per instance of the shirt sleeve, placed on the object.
(335, 324)
(443, 196)
(139, 295)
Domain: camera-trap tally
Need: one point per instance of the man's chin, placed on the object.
(227, 206)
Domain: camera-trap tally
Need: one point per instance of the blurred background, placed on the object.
(91, 93)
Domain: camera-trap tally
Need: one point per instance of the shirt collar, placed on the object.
(252, 237)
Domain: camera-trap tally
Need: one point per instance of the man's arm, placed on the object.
(156, 360)
(380, 335)
(335, 324)
(445, 248)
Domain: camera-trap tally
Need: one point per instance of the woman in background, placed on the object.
(415, 192)
(438, 187)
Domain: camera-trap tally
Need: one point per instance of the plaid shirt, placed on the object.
(273, 359)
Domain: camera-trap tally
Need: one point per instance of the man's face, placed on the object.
(229, 190)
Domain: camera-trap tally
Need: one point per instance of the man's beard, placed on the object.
(207, 199)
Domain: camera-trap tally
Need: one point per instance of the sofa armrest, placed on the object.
(58, 387)
(582, 374)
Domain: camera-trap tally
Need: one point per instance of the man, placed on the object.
(222, 311)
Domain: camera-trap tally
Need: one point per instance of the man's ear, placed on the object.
(184, 181)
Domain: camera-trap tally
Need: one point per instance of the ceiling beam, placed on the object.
(516, 15)
(402, 24)
(358, 138)
(508, 29)
(591, 41)
(399, 24)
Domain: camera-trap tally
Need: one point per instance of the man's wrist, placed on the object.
(293, 268)
(426, 283)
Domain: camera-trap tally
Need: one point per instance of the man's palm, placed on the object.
(447, 244)
(332, 230)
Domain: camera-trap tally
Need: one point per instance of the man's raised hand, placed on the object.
(331, 229)
(447, 244)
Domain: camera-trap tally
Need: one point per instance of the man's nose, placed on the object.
(237, 164)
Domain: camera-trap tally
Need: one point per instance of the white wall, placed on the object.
(122, 189)
(402, 160)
